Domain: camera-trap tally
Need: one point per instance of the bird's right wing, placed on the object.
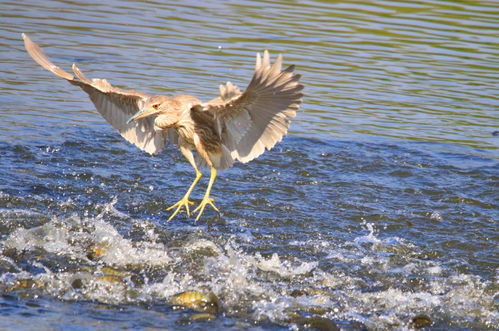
(115, 105)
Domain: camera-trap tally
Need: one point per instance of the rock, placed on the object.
(77, 283)
(197, 301)
(108, 271)
(316, 310)
(111, 279)
(319, 323)
(25, 283)
(358, 326)
(297, 293)
(97, 251)
(421, 321)
(202, 317)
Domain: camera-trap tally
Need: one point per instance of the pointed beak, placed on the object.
(142, 113)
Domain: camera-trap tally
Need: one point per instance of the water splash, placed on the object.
(359, 281)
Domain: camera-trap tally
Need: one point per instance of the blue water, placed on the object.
(377, 211)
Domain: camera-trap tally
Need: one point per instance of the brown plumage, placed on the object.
(236, 126)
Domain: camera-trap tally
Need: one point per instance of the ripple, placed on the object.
(377, 211)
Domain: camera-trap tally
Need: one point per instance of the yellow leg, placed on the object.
(185, 202)
(206, 199)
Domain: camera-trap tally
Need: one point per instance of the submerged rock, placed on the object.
(202, 317)
(25, 283)
(111, 279)
(318, 323)
(199, 317)
(311, 322)
(108, 271)
(297, 293)
(316, 310)
(97, 251)
(77, 283)
(358, 326)
(421, 321)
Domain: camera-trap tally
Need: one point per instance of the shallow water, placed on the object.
(379, 210)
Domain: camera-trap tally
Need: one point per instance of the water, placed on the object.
(378, 211)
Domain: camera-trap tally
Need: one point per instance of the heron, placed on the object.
(235, 126)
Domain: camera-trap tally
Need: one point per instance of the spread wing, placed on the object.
(258, 118)
(115, 105)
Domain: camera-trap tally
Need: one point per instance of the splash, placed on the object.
(374, 280)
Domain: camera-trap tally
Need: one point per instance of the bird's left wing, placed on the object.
(256, 119)
(114, 104)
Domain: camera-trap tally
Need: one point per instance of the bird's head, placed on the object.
(152, 106)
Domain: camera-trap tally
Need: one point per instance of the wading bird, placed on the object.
(236, 126)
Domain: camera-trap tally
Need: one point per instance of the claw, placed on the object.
(184, 202)
(202, 205)
(206, 199)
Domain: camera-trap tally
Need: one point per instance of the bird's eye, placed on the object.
(156, 106)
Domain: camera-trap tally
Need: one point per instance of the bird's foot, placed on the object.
(184, 202)
(202, 205)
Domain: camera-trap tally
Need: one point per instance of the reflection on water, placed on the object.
(379, 211)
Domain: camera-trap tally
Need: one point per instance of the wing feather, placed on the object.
(115, 105)
(255, 120)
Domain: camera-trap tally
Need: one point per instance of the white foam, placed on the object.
(365, 279)
(283, 268)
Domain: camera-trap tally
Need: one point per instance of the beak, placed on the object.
(142, 113)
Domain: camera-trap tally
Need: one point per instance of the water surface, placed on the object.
(378, 211)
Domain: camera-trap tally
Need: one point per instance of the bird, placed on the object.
(234, 126)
